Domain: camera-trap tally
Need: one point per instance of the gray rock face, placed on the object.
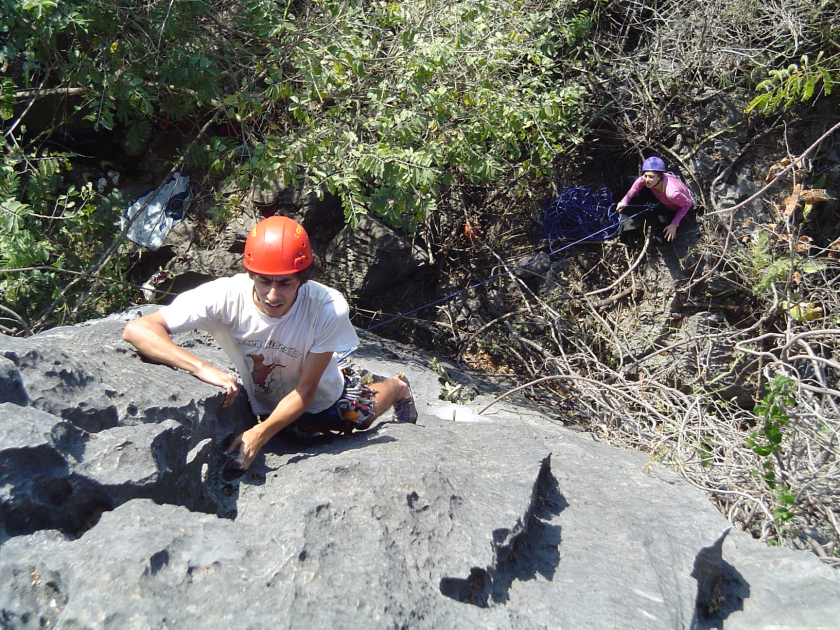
(365, 261)
(115, 514)
(88, 376)
(196, 267)
(11, 386)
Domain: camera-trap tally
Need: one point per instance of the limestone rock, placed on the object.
(56, 476)
(199, 266)
(503, 520)
(89, 376)
(308, 209)
(367, 260)
(11, 386)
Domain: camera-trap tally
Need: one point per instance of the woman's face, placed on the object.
(652, 178)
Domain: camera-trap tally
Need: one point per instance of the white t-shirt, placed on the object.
(269, 351)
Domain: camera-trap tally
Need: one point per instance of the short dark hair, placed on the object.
(305, 275)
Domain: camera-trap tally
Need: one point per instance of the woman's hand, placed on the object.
(620, 206)
(670, 232)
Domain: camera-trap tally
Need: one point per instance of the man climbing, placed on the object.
(281, 330)
(666, 188)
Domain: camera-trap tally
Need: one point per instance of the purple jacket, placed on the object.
(675, 195)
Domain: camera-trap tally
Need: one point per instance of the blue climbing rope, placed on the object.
(580, 213)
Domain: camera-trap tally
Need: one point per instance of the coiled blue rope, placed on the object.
(579, 213)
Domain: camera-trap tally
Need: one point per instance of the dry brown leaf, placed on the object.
(814, 195)
(790, 203)
(782, 165)
(803, 245)
(778, 166)
(747, 222)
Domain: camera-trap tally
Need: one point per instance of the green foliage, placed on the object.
(772, 414)
(785, 500)
(7, 88)
(384, 104)
(126, 66)
(772, 417)
(64, 228)
(796, 83)
(803, 77)
(398, 101)
(766, 269)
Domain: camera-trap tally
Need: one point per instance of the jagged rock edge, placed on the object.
(481, 587)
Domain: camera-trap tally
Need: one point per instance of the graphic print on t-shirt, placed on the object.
(262, 372)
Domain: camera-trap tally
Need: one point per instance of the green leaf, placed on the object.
(767, 85)
(760, 102)
(783, 514)
(827, 80)
(787, 497)
(808, 87)
(813, 266)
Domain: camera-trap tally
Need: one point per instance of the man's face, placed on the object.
(275, 295)
(652, 178)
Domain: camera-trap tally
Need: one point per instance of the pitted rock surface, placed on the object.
(115, 514)
(368, 260)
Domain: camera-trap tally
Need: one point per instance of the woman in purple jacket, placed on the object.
(672, 193)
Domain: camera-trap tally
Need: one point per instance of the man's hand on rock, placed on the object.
(225, 380)
(151, 336)
(249, 444)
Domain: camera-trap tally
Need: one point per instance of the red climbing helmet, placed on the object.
(277, 246)
(653, 164)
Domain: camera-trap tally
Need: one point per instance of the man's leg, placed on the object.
(388, 393)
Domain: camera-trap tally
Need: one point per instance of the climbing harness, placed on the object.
(348, 413)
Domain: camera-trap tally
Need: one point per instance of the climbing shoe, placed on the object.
(404, 410)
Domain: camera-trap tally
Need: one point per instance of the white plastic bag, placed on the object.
(167, 208)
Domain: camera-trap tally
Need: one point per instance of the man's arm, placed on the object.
(151, 336)
(287, 410)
